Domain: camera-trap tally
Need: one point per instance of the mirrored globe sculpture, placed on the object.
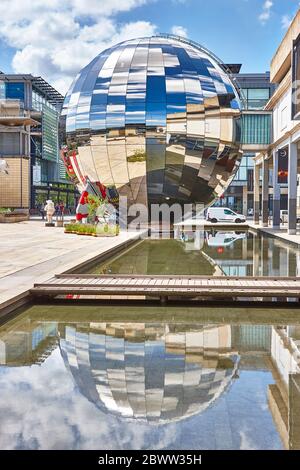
(156, 119)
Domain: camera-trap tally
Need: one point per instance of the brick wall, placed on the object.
(14, 187)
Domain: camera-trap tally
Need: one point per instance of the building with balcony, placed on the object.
(29, 143)
(279, 165)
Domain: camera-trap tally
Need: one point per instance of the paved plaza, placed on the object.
(31, 253)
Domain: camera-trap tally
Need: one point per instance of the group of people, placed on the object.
(58, 208)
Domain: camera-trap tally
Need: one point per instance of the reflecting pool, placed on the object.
(214, 252)
(111, 377)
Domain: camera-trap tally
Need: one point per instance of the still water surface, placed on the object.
(210, 253)
(108, 377)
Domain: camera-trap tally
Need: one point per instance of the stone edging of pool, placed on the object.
(272, 233)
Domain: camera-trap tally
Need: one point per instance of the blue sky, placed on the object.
(56, 39)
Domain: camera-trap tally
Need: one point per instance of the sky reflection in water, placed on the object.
(103, 383)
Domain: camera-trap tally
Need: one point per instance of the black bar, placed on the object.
(136, 459)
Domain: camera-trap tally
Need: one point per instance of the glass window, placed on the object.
(38, 101)
(15, 90)
(50, 134)
(295, 79)
(256, 129)
(9, 143)
(2, 90)
(258, 93)
(243, 173)
(250, 161)
(255, 98)
(228, 212)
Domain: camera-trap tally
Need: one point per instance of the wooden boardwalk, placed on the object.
(168, 286)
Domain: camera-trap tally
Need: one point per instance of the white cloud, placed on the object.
(103, 7)
(58, 416)
(266, 12)
(179, 31)
(286, 21)
(56, 39)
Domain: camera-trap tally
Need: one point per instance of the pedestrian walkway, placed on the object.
(32, 253)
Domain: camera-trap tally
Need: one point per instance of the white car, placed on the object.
(224, 214)
(223, 238)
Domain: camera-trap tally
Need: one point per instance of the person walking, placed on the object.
(41, 210)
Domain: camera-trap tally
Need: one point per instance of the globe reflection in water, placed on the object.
(155, 119)
(155, 373)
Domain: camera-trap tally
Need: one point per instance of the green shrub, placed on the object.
(71, 227)
(85, 228)
(6, 210)
(79, 228)
(90, 229)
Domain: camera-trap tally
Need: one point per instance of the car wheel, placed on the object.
(238, 221)
(214, 221)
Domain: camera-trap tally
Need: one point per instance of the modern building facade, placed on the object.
(279, 164)
(29, 143)
(256, 90)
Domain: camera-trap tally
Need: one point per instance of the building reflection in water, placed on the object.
(284, 394)
(30, 344)
(166, 372)
(208, 253)
(242, 253)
